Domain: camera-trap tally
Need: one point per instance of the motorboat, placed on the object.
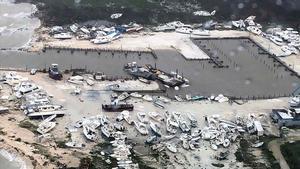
(184, 126)
(119, 127)
(142, 117)
(255, 30)
(123, 96)
(155, 128)
(178, 98)
(141, 127)
(295, 101)
(101, 40)
(170, 128)
(172, 148)
(146, 81)
(148, 98)
(199, 32)
(74, 144)
(127, 117)
(192, 119)
(184, 30)
(159, 104)
(204, 13)
(136, 95)
(156, 116)
(54, 72)
(116, 15)
(45, 127)
(278, 41)
(163, 99)
(89, 133)
(63, 36)
(106, 130)
(151, 139)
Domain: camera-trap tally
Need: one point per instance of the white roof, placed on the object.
(285, 115)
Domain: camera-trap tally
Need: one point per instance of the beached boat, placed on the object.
(45, 127)
(163, 99)
(170, 128)
(184, 126)
(141, 127)
(192, 119)
(155, 128)
(178, 98)
(89, 133)
(106, 130)
(74, 144)
(159, 104)
(136, 95)
(142, 117)
(151, 139)
(184, 30)
(144, 80)
(119, 126)
(126, 116)
(123, 96)
(148, 98)
(172, 148)
(199, 32)
(63, 36)
(255, 30)
(156, 116)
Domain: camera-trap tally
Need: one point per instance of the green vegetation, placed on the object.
(40, 149)
(243, 154)
(61, 143)
(28, 125)
(2, 132)
(291, 153)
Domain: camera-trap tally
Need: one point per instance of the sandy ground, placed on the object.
(91, 105)
(133, 42)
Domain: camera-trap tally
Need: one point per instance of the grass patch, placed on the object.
(243, 154)
(40, 149)
(61, 143)
(28, 125)
(291, 153)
